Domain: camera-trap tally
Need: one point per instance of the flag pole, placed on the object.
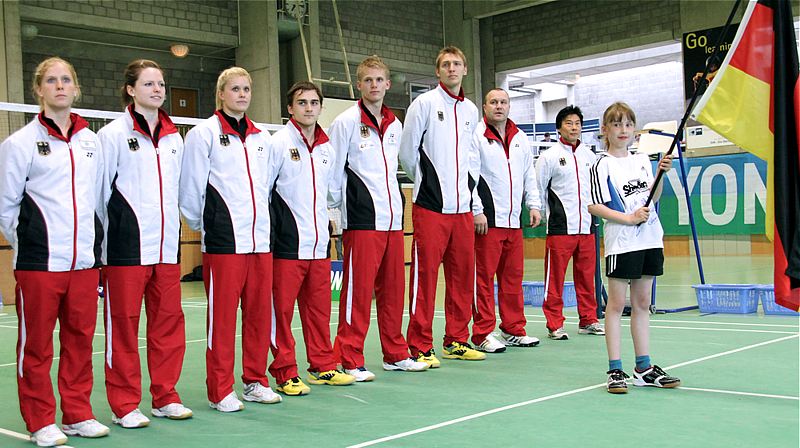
(693, 100)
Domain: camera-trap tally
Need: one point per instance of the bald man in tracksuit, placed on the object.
(436, 152)
(507, 177)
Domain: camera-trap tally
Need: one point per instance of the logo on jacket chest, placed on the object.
(562, 161)
(364, 131)
(43, 148)
(440, 115)
(133, 144)
(224, 140)
(295, 154)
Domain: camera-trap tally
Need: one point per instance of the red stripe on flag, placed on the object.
(754, 54)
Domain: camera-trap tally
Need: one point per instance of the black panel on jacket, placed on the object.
(556, 215)
(429, 195)
(33, 252)
(488, 201)
(285, 239)
(217, 224)
(123, 245)
(98, 241)
(360, 204)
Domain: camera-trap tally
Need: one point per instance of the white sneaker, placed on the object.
(88, 428)
(50, 435)
(406, 365)
(595, 328)
(133, 419)
(230, 403)
(491, 345)
(558, 334)
(518, 341)
(172, 411)
(361, 373)
(260, 394)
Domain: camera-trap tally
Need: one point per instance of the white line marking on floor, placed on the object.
(355, 398)
(551, 397)
(734, 392)
(21, 436)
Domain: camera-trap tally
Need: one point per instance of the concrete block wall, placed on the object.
(569, 29)
(408, 31)
(198, 15)
(101, 81)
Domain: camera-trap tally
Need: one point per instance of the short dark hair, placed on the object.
(569, 110)
(300, 87)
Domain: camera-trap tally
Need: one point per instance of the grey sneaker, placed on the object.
(595, 328)
(558, 334)
(518, 341)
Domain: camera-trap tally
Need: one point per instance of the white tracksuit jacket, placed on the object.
(563, 175)
(437, 153)
(299, 199)
(507, 171)
(364, 180)
(143, 223)
(225, 186)
(51, 204)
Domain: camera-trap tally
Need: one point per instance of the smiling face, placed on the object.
(305, 108)
(149, 91)
(570, 129)
(495, 107)
(235, 96)
(373, 85)
(451, 71)
(619, 133)
(57, 89)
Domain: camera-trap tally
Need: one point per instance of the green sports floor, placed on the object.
(739, 372)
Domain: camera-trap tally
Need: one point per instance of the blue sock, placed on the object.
(614, 364)
(642, 362)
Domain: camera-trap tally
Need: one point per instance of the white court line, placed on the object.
(21, 436)
(733, 392)
(549, 397)
(707, 322)
(355, 398)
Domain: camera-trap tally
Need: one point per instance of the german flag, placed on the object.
(753, 102)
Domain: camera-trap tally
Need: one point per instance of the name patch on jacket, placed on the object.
(295, 154)
(133, 144)
(364, 131)
(43, 148)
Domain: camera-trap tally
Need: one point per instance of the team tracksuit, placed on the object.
(300, 246)
(225, 185)
(436, 152)
(51, 212)
(364, 184)
(140, 257)
(507, 171)
(563, 175)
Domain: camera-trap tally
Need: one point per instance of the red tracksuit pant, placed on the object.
(560, 248)
(227, 278)
(373, 262)
(449, 239)
(498, 252)
(42, 298)
(309, 283)
(124, 287)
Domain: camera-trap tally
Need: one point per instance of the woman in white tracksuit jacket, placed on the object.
(143, 151)
(51, 212)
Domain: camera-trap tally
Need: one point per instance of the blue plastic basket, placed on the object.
(533, 293)
(722, 298)
(766, 294)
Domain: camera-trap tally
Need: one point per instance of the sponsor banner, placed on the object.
(728, 195)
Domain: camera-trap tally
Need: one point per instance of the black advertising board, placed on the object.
(698, 47)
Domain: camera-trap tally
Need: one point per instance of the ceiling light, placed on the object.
(179, 50)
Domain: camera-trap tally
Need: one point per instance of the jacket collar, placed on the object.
(77, 121)
(459, 97)
(167, 126)
(370, 120)
(320, 137)
(228, 129)
(569, 145)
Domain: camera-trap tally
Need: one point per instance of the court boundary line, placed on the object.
(736, 392)
(20, 436)
(551, 397)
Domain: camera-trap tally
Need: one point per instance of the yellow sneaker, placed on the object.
(429, 358)
(294, 386)
(331, 377)
(458, 350)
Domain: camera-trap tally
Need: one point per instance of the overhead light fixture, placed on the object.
(179, 50)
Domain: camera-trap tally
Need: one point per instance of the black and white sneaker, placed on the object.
(655, 376)
(616, 382)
